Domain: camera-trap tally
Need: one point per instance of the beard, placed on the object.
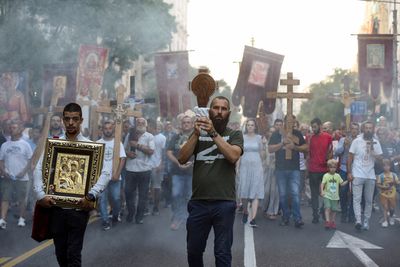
(368, 135)
(141, 130)
(220, 123)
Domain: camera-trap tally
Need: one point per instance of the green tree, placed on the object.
(37, 32)
(323, 105)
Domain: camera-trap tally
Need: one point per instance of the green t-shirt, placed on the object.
(213, 175)
(331, 185)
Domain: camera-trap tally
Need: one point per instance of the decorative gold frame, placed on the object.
(70, 170)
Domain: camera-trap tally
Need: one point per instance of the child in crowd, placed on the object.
(330, 192)
(387, 182)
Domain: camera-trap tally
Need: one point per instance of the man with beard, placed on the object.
(342, 151)
(363, 152)
(113, 189)
(320, 151)
(139, 148)
(213, 201)
(67, 226)
(56, 129)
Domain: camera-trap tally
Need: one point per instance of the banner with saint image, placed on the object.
(375, 63)
(259, 73)
(172, 76)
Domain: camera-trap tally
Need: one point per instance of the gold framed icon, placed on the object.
(71, 169)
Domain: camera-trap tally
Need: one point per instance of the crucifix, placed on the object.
(347, 97)
(290, 96)
(262, 120)
(119, 111)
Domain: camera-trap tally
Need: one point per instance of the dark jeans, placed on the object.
(218, 214)
(315, 182)
(136, 181)
(346, 199)
(68, 228)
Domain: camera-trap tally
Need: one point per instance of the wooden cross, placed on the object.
(119, 111)
(290, 96)
(347, 97)
(46, 126)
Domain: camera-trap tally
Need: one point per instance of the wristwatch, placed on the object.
(90, 197)
(213, 134)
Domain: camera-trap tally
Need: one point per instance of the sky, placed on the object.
(315, 36)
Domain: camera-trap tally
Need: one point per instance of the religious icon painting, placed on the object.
(258, 73)
(172, 70)
(70, 169)
(376, 56)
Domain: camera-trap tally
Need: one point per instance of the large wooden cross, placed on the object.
(119, 111)
(290, 96)
(46, 126)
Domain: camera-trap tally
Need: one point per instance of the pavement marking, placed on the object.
(37, 249)
(355, 245)
(4, 259)
(249, 249)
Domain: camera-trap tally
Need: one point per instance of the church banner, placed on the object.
(14, 92)
(92, 62)
(172, 76)
(375, 63)
(259, 73)
(59, 78)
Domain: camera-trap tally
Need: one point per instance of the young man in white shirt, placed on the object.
(15, 156)
(363, 152)
(113, 188)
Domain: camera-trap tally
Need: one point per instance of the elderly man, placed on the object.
(139, 147)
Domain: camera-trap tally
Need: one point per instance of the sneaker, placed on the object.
(358, 226)
(129, 218)
(244, 218)
(299, 224)
(333, 225)
(365, 225)
(327, 225)
(21, 222)
(106, 226)
(139, 221)
(315, 220)
(155, 212)
(385, 224)
(175, 226)
(284, 223)
(253, 223)
(391, 220)
(3, 224)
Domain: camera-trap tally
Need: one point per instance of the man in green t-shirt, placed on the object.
(213, 198)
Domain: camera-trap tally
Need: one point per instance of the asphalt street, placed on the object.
(154, 244)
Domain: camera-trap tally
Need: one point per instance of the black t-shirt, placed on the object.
(213, 175)
(281, 163)
(175, 144)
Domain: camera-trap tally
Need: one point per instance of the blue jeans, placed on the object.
(181, 193)
(203, 214)
(289, 185)
(113, 190)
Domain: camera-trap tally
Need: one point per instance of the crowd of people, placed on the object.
(352, 172)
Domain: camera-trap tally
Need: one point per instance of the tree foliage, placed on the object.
(323, 105)
(37, 32)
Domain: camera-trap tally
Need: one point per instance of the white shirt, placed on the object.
(99, 187)
(363, 162)
(16, 155)
(159, 142)
(142, 162)
(109, 156)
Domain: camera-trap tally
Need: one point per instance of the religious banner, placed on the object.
(60, 78)
(92, 62)
(14, 91)
(259, 73)
(172, 75)
(375, 63)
